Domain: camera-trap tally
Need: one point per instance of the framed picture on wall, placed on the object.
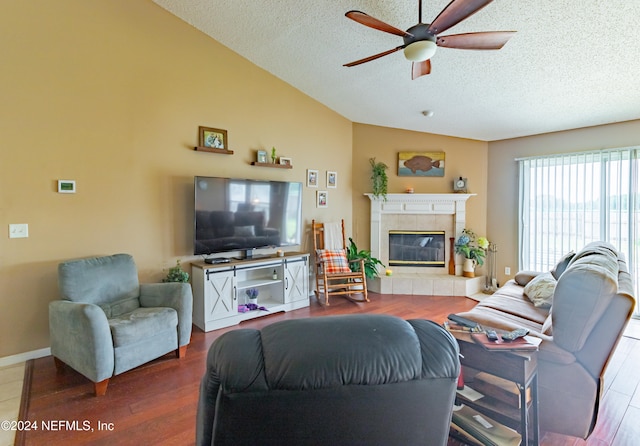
(323, 198)
(261, 156)
(312, 178)
(332, 179)
(213, 138)
(420, 164)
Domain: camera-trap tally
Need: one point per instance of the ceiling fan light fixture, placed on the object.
(420, 50)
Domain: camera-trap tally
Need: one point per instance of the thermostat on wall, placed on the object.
(66, 186)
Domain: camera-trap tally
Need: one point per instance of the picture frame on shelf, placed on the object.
(285, 161)
(312, 178)
(261, 156)
(322, 199)
(213, 138)
(332, 179)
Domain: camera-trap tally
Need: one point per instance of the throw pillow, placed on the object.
(562, 264)
(540, 290)
(333, 260)
(244, 231)
(524, 277)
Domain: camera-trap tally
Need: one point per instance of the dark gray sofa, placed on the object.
(592, 304)
(335, 380)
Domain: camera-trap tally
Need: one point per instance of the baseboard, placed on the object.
(23, 357)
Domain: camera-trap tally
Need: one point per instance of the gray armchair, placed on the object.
(108, 323)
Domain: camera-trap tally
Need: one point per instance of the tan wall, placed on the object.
(502, 217)
(463, 157)
(110, 93)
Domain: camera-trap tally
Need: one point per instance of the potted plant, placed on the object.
(379, 178)
(473, 249)
(176, 274)
(252, 294)
(370, 263)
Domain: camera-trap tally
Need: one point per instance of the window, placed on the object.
(569, 200)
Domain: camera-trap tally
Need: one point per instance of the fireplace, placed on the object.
(417, 248)
(415, 213)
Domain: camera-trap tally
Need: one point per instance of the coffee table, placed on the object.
(516, 366)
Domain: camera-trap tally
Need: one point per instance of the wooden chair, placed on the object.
(333, 273)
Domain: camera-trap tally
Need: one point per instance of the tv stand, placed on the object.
(220, 289)
(254, 257)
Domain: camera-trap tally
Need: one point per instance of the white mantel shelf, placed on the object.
(418, 203)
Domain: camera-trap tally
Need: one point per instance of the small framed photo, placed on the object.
(312, 178)
(213, 138)
(66, 186)
(261, 156)
(285, 161)
(322, 198)
(332, 179)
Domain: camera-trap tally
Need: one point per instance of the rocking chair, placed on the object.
(334, 276)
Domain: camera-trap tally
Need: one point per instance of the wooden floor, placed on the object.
(155, 404)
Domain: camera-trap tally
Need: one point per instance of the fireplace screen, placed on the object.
(416, 248)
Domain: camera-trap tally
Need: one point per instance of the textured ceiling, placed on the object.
(572, 63)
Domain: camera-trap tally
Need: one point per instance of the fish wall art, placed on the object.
(420, 164)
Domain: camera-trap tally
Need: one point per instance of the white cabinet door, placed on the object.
(296, 282)
(220, 294)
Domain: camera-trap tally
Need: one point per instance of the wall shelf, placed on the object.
(276, 166)
(213, 150)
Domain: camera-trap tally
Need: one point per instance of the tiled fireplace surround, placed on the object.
(444, 212)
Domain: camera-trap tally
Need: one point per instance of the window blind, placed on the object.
(569, 200)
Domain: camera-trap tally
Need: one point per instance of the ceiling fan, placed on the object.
(421, 40)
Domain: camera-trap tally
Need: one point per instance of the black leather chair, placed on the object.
(334, 380)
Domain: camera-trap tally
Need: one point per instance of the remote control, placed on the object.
(515, 334)
(462, 321)
(492, 335)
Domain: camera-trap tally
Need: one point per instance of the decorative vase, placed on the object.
(252, 296)
(469, 268)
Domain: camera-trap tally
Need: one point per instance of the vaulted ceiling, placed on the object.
(571, 64)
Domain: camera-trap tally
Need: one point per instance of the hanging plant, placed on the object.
(379, 178)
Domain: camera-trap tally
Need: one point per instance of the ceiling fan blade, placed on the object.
(491, 40)
(371, 22)
(455, 12)
(420, 69)
(374, 57)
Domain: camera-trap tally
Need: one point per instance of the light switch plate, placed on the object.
(20, 230)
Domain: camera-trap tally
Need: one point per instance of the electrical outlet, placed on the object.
(18, 230)
(507, 271)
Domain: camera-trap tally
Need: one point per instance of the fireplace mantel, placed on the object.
(419, 211)
(399, 204)
(419, 203)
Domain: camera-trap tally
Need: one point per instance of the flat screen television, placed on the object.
(233, 214)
